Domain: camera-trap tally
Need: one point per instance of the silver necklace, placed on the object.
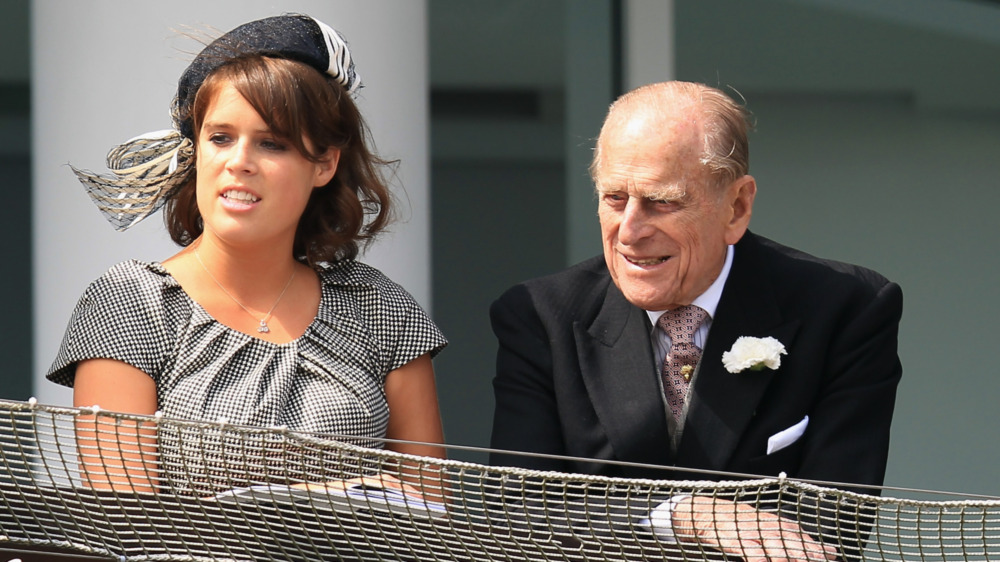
(262, 327)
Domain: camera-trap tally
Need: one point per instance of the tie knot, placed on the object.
(681, 323)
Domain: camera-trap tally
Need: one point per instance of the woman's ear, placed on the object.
(327, 167)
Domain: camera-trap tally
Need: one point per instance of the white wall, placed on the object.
(106, 70)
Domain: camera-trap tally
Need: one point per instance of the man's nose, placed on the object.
(635, 222)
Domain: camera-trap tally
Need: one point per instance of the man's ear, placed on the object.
(739, 202)
(327, 167)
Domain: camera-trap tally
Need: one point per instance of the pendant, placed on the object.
(263, 327)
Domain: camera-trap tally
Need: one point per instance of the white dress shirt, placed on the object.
(660, 520)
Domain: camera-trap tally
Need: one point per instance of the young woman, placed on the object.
(264, 317)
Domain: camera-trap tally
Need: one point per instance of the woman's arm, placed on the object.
(115, 454)
(414, 416)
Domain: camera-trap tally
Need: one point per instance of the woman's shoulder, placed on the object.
(126, 314)
(352, 273)
(136, 274)
(351, 285)
(400, 326)
(132, 280)
(137, 271)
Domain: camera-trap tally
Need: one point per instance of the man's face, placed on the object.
(665, 225)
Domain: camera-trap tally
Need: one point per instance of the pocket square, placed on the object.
(786, 437)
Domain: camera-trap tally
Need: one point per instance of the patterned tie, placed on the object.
(680, 325)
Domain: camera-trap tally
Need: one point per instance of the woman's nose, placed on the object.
(241, 158)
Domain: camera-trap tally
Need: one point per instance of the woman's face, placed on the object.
(252, 186)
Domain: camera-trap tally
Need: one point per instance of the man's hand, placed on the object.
(741, 530)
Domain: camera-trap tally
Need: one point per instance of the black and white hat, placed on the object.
(293, 36)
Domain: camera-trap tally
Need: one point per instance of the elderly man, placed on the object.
(633, 356)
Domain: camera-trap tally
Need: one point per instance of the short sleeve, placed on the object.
(397, 328)
(414, 335)
(120, 316)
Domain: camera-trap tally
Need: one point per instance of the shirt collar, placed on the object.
(709, 300)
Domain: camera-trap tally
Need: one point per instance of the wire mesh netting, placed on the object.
(145, 488)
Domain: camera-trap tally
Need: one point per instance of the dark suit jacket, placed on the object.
(576, 375)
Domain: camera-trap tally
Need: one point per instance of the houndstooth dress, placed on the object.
(328, 381)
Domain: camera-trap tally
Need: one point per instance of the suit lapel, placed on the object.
(616, 361)
(723, 403)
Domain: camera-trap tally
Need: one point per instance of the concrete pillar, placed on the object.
(648, 42)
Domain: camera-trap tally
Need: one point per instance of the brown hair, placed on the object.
(297, 101)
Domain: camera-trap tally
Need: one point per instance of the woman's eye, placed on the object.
(273, 145)
(218, 138)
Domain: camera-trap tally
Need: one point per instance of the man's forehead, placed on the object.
(650, 165)
(683, 124)
(681, 117)
(678, 139)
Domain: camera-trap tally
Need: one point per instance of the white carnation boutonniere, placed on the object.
(754, 354)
